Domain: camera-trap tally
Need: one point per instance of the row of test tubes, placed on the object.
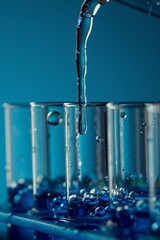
(109, 174)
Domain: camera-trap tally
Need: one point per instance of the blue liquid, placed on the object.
(84, 27)
(127, 211)
(54, 206)
(43, 236)
(21, 194)
(89, 205)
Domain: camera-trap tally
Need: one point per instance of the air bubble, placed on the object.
(99, 139)
(90, 201)
(17, 198)
(75, 200)
(54, 118)
(77, 135)
(123, 115)
(100, 211)
(144, 124)
(92, 214)
(82, 192)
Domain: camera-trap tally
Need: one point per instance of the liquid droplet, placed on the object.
(99, 139)
(54, 118)
(77, 135)
(144, 124)
(123, 115)
(100, 211)
(82, 121)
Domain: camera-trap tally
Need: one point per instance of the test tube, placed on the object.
(48, 156)
(134, 162)
(153, 154)
(86, 161)
(18, 155)
(127, 152)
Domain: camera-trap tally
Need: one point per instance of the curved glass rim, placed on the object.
(65, 104)
(140, 104)
(46, 104)
(88, 104)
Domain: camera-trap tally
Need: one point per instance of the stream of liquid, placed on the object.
(88, 10)
(85, 21)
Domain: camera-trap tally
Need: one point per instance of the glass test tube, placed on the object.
(134, 164)
(18, 154)
(153, 155)
(86, 159)
(128, 164)
(48, 155)
(134, 147)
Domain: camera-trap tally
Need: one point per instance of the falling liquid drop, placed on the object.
(82, 121)
(85, 21)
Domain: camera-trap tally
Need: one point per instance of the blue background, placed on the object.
(37, 55)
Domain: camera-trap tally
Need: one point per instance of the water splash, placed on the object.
(85, 21)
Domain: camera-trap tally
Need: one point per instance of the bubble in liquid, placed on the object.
(57, 201)
(54, 118)
(104, 198)
(100, 211)
(92, 214)
(77, 135)
(90, 201)
(82, 192)
(144, 124)
(129, 199)
(123, 114)
(99, 139)
(17, 198)
(75, 200)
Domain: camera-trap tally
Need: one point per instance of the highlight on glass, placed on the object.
(17, 121)
(48, 156)
(86, 161)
